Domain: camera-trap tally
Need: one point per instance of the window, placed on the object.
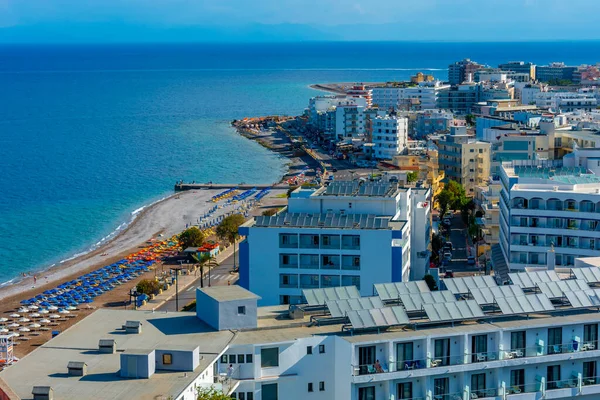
(308, 349)
(441, 387)
(269, 391)
(232, 359)
(405, 391)
(517, 380)
(321, 386)
(167, 359)
(366, 393)
(518, 342)
(589, 373)
(224, 359)
(321, 348)
(269, 357)
(554, 340)
(471, 150)
(240, 358)
(351, 280)
(310, 386)
(404, 356)
(590, 333)
(242, 310)
(248, 358)
(479, 348)
(553, 376)
(249, 395)
(442, 351)
(241, 396)
(478, 384)
(288, 240)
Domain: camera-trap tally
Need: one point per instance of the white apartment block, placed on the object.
(534, 339)
(550, 214)
(351, 123)
(420, 97)
(322, 111)
(566, 101)
(390, 136)
(348, 233)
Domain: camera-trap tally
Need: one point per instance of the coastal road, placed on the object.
(218, 277)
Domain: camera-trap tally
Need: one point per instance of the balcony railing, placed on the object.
(483, 357)
(481, 393)
(445, 361)
(528, 388)
(562, 384)
(590, 380)
(449, 396)
(407, 365)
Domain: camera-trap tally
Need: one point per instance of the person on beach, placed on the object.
(34, 279)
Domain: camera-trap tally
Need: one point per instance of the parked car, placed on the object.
(448, 255)
(471, 260)
(449, 274)
(447, 222)
(448, 246)
(448, 215)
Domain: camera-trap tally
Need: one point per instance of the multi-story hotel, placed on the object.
(390, 136)
(536, 338)
(349, 233)
(549, 213)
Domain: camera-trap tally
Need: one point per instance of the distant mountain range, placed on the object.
(111, 32)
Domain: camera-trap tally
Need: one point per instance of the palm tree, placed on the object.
(208, 261)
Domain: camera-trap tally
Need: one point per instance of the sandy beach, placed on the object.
(167, 217)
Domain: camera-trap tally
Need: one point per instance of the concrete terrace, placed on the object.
(47, 366)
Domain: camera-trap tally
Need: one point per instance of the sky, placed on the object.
(268, 20)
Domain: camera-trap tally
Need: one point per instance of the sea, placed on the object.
(92, 134)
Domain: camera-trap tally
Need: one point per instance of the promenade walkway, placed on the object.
(186, 281)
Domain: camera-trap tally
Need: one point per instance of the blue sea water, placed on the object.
(89, 134)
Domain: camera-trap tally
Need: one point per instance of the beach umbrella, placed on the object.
(24, 320)
(3, 330)
(35, 315)
(23, 310)
(24, 329)
(3, 319)
(14, 334)
(14, 325)
(54, 316)
(14, 315)
(64, 312)
(33, 307)
(44, 321)
(52, 308)
(35, 326)
(44, 312)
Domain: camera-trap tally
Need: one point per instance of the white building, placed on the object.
(566, 101)
(505, 343)
(420, 97)
(322, 114)
(348, 233)
(548, 214)
(351, 122)
(390, 136)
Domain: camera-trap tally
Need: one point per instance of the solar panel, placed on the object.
(415, 301)
(590, 275)
(524, 304)
(392, 291)
(378, 317)
(584, 298)
(462, 285)
(318, 297)
(528, 280)
(556, 289)
(340, 308)
(453, 311)
(489, 295)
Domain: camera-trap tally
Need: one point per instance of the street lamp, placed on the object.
(177, 270)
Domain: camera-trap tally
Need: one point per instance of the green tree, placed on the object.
(147, 286)
(228, 230)
(412, 176)
(445, 200)
(436, 246)
(192, 237)
(211, 394)
(430, 281)
(470, 119)
(205, 260)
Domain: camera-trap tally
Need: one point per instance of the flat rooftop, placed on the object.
(359, 189)
(47, 365)
(329, 220)
(566, 175)
(229, 293)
